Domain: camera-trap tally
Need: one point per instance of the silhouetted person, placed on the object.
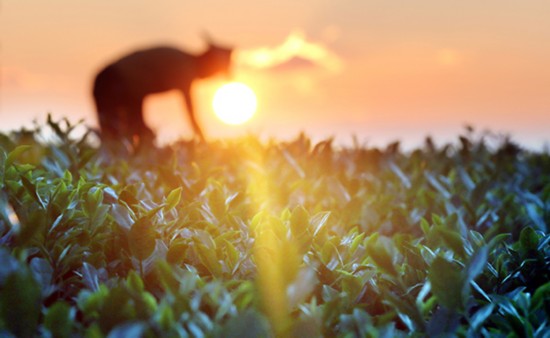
(120, 88)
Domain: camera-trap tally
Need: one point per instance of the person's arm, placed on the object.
(191, 113)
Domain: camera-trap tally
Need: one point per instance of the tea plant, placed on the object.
(241, 238)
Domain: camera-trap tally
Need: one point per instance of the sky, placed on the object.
(377, 70)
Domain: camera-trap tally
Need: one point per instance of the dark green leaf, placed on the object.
(380, 256)
(528, 239)
(58, 319)
(540, 297)
(249, 324)
(452, 239)
(31, 188)
(447, 283)
(141, 239)
(20, 303)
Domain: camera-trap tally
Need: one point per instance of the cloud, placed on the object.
(295, 63)
(296, 52)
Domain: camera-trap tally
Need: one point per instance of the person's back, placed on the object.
(165, 68)
(120, 88)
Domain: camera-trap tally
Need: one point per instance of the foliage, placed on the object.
(241, 238)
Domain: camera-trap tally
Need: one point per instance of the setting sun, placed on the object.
(234, 103)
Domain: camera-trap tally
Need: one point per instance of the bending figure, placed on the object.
(120, 88)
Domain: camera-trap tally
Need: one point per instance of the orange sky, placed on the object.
(382, 70)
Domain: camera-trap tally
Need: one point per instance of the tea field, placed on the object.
(249, 238)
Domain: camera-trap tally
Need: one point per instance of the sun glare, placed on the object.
(234, 103)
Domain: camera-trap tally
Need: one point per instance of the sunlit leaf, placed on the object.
(173, 199)
(12, 155)
(209, 259)
(299, 221)
(319, 222)
(176, 252)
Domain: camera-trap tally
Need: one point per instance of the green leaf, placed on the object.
(495, 241)
(328, 252)
(31, 188)
(173, 199)
(540, 297)
(93, 199)
(319, 221)
(249, 323)
(94, 331)
(15, 153)
(118, 309)
(176, 252)
(528, 239)
(434, 182)
(58, 319)
(216, 202)
(165, 275)
(447, 283)
(165, 317)
(9, 265)
(299, 220)
(425, 226)
(151, 213)
(90, 276)
(208, 258)
(355, 243)
(535, 215)
(443, 322)
(452, 239)
(481, 315)
(134, 282)
(233, 255)
(32, 228)
(91, 303)
(141, 239)
(405, 310)
(437, 220)
(99, 216)
(122, 215)
(477, 263)
(402, 176)
(380, 256)
(20, 299)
